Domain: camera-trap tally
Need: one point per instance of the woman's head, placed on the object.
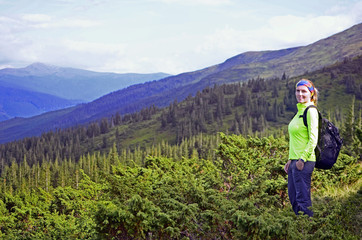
(306, 92)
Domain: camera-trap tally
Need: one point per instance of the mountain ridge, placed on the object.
(265, 64)
(65, 82)
(40, 88)
(298, 60)
(15, 102)
(262, 107)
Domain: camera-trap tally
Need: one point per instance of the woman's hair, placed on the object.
(313, 90)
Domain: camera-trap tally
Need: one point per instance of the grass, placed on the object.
(341, 191)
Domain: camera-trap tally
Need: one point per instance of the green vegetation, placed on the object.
(209, 167)
(239, 192)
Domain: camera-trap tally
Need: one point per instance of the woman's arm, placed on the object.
(313, 121)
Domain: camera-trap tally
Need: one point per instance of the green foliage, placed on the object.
(62, 214)
(164, 174)
(240, 193)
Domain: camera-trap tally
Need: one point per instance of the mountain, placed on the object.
(265, 64)
(261, 107)
(15, 102)
(39, 88)
(71, 83)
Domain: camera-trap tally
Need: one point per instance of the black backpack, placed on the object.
(329, 141)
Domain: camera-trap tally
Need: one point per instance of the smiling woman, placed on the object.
(306, 92)
(303, 94)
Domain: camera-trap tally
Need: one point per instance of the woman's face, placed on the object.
(303, 94)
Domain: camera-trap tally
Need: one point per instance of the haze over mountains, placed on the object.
(72, 83)
(16, 102)
(40, 88)
(265, 64)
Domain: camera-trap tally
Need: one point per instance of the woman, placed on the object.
(302, 142)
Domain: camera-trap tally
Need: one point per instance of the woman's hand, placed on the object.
(300, 164)
(286, 166)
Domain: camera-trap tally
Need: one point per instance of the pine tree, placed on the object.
(26, 184)
(348, 130)
(113, 156)
(13, 177)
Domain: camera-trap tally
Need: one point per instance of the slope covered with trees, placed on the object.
(259, 107)
(237, 191)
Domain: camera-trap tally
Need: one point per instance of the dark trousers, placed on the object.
(299, 183)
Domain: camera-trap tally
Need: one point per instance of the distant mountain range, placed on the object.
(72, 83)
(15, 102)
(265, 64)
(39, 88)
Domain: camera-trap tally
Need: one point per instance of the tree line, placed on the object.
(17, 177)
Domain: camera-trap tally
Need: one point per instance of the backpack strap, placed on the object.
(305, 115)
(317, 150)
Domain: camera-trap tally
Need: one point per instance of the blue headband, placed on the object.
(308, 84)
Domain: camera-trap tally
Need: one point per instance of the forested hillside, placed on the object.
(168, 174)
(259, 107)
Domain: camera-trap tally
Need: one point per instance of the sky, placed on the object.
(170, 36)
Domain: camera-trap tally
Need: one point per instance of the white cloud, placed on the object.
(196, 2)
(94, 48)
(19, 44)
(279, 32)
(304, 30)
(9, 25)
(27, 22)
(36, 18)
(45, 21)
(118, 58)
(75, 23)
(176, 36)
(356, 11)
(83, 54)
